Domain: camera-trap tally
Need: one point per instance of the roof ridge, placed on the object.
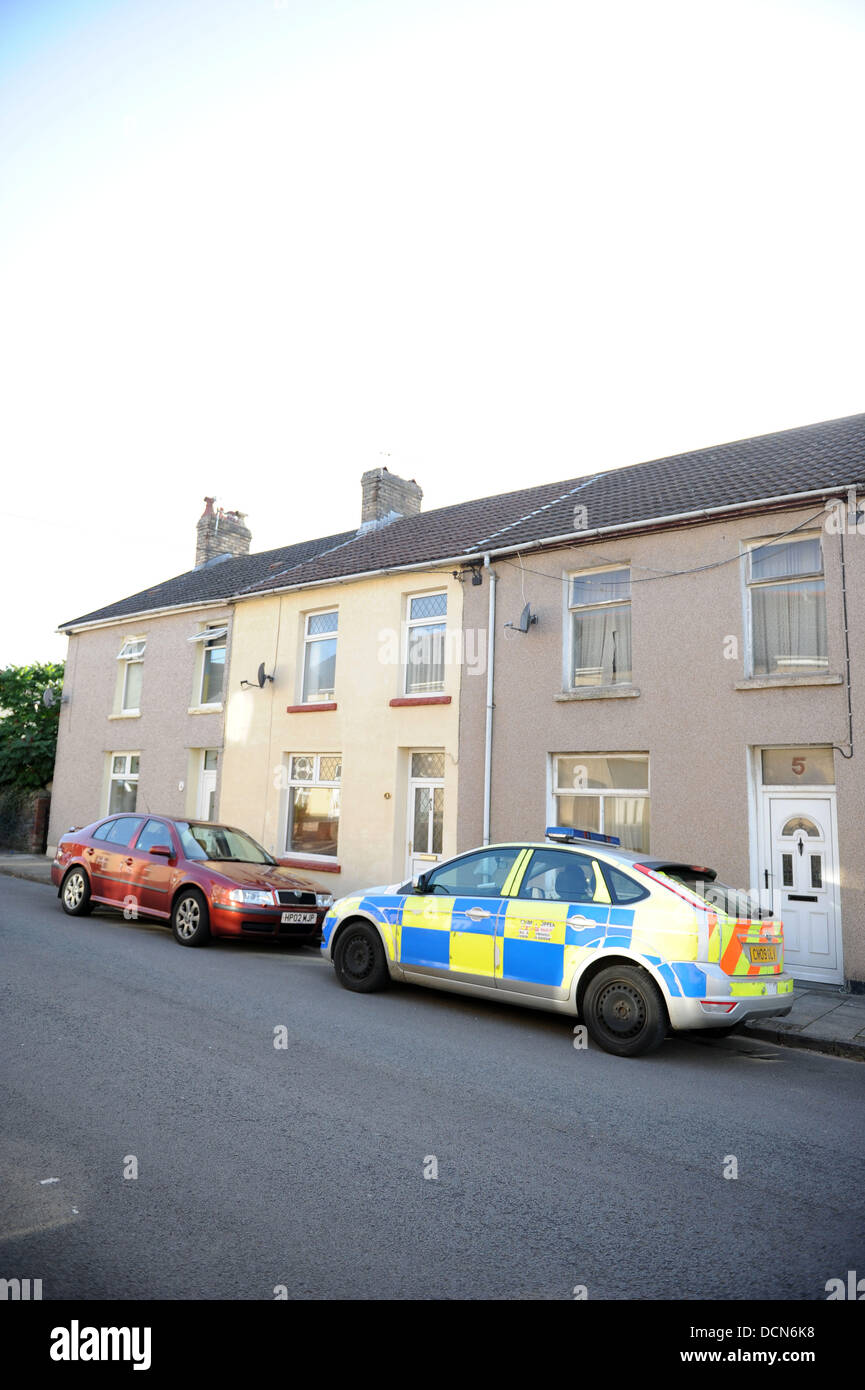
(320, 556)
(586, 482)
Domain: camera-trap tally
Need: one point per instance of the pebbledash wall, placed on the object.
(691, 707)
(169, 735)
(373, 736)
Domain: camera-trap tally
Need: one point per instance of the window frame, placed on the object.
(410, 623)
(308, 639)
(293, 783)
(749, 585)
(601, 793)
(126, 776)
(219, 640)
(569, 684)
(132, 653)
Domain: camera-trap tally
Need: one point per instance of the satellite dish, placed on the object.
(261, 676)
(49, 699)
(527, 617)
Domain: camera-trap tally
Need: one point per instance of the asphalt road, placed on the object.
(304, 1166)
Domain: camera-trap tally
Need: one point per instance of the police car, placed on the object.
(631, 945)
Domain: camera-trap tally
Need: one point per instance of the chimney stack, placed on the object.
(220, 533)
(387, 497)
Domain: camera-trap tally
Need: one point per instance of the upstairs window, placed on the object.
(787, 601)
(425, 645)
(213, 667)
(599, 641)
(132, 656)
(319, 657)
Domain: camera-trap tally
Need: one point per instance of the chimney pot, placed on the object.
(220, 533)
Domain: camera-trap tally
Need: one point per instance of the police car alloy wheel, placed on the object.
(624, 1012)
(360, 960)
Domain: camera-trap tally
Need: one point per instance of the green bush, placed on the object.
(28, 729)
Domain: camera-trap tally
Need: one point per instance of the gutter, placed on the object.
(659, 523)
(70, 629)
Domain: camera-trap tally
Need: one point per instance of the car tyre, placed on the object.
(190, 920)
(75, 893)
(360, 960)
(624, 1012)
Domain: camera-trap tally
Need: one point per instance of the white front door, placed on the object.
(803, 883)
(426, 800)
(207, 785)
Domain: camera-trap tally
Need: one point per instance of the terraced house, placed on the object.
(695, 677)
(670, 653)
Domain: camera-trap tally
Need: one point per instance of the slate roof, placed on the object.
(828, 455)
(825, 456)
(213, 581)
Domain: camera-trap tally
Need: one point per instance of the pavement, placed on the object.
(824, 1018)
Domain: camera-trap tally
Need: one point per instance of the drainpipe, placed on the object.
(488, 744)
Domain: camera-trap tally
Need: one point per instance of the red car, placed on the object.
(206, 880)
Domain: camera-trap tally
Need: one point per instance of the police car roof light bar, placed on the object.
(566, 835)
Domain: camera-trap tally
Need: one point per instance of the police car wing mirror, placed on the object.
(420, 884)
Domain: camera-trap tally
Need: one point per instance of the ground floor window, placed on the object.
(123, 789)
(605, 792)
(314, 782)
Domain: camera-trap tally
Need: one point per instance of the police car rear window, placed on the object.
(622, 888)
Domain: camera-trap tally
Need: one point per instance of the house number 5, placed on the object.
(798, 766)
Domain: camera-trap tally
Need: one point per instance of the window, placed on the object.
(155, 832)
(123, 788)
(214, 842)
(425, 646)
(787, 600)
(795, 767)
(132, 656)
(313, 803)
(213, 667)
(607, 792)
(557, 875)
(319, 657)
(123, 831)
(599, 606)
(624, 888)
(480, 875)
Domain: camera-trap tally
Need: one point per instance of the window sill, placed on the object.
(127, 714)
(401, 700)
(310, 708)
(599, 692)
(204, 709)
(773, 682)
(319, 866)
